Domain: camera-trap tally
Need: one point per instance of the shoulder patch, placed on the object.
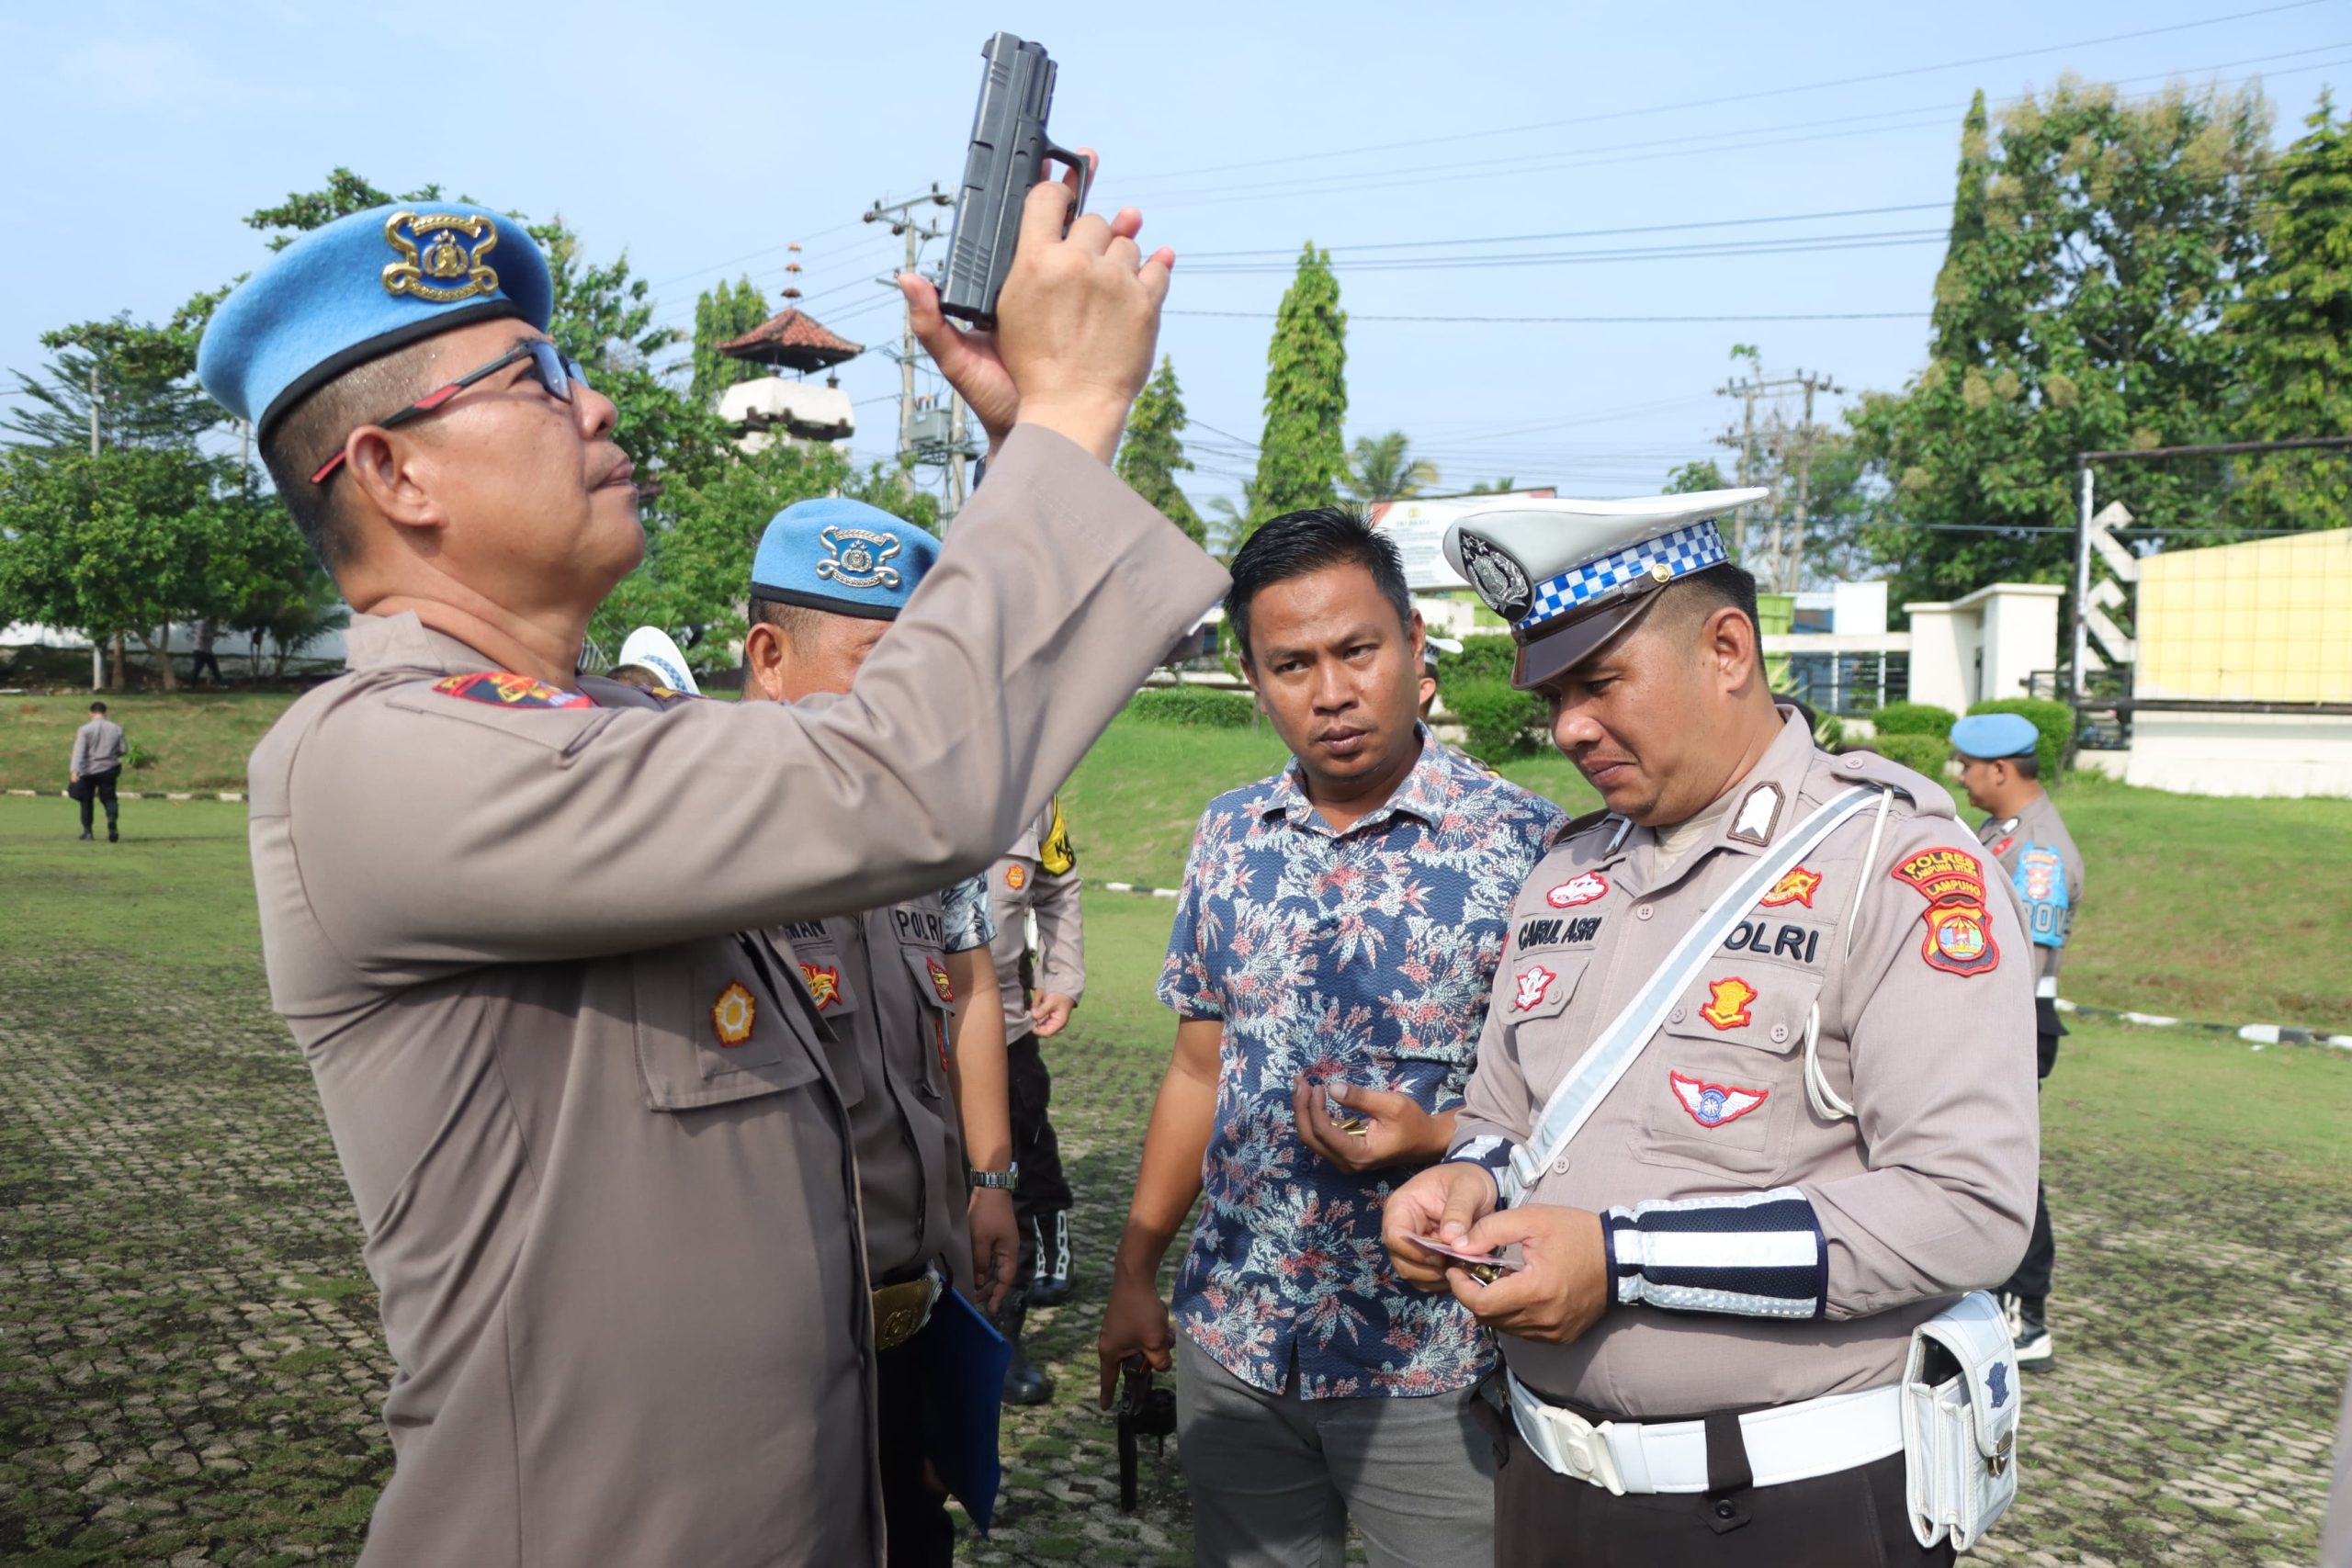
(499, 689)
(1959, 940)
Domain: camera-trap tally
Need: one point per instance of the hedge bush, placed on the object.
(1202, 707)
(2053, 724)
(1483, 657)
(1921, 753)
(1496, 722)
(1914, 719)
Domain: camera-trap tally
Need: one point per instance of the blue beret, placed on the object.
(359, 287)
(1991, 736)
(842, 556)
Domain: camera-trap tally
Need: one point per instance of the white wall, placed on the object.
(2230, 753)
(1985, 646)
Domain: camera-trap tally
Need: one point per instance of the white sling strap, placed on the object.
(1590, 1081)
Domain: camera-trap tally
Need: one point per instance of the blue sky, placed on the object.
(704, 138)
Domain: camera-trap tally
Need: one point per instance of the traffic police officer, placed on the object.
(651, 661)
(2000, 770)
(829, 580)
(1035, 882)
(1811, 1145)
(523, 925)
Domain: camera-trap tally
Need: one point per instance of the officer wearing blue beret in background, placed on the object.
(527, 928)
(2002, 773)
(910, 991)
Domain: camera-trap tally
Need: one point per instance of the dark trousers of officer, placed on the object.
(915, 1514)
(1043, 1190)
(199, 661)
(1855, 1518)
(97, 786)
(2032, 1277)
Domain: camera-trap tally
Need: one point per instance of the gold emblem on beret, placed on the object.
(858, 557)
(441, 255)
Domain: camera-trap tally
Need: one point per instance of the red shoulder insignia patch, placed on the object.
(500, 689)
(1960, 933)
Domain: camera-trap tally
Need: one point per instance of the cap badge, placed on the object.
(858, 557)
(1498, 578)
(441, 255)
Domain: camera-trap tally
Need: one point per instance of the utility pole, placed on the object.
(97, 660)
(1812, 384)
(901, 218)
(1786, 561)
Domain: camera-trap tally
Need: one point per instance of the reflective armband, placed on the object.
(1490, 1153)
(1759, 1254)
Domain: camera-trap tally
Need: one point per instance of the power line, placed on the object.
(1794, 244)
(1720, 99)
(1644, 150)
(1195, 256)
(1354, 317)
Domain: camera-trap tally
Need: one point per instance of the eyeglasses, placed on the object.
(555, 370)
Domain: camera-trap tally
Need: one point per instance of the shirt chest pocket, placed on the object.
(816, 955)
(711, 1031)
(934, 994)
(1722, 1087)
(1533, 1001)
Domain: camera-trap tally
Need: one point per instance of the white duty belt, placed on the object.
(1788, 1442)
(1596, 1072)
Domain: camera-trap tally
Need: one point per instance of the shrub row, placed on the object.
(1202, 707)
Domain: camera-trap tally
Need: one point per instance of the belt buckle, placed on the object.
(1585, 1450)
(901, 1310)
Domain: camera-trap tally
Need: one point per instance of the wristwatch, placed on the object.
(1001, 1179)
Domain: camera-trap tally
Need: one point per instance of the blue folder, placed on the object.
(962, 1359)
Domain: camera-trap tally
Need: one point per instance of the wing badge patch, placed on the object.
(1713, 1104)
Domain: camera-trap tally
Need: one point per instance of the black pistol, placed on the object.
(1144, 1412)
(1007, 157)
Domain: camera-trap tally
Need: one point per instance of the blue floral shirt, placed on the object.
(1363, 957)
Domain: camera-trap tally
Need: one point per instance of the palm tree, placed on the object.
(1382, 467)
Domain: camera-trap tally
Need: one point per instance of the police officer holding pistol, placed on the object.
(527, 926)
(1749, 1124)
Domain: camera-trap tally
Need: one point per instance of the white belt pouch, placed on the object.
(1960, 1435)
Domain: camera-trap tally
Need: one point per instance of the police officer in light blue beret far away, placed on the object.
(529, 929)
(912, 990)
(2000, 769)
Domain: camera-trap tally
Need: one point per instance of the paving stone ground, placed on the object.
(190, 1363)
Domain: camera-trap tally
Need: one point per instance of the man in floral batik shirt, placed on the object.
(1334, 947)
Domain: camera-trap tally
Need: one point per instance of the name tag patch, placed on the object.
(1542, 933)
(1789, 942)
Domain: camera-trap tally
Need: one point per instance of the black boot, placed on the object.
(1025, 1382)
(86, 835)
(1051, 1285)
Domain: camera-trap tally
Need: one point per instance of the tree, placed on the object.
(2293, 327)
(124, 542)
(1303, 454)
(721, 315)
(139, 376)
(344, 194)
(1151, 453)
(1493, 487)
(1692, 478)
(2093, 248)
(1383, 467)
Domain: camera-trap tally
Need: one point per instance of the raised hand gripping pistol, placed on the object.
(1007, 157)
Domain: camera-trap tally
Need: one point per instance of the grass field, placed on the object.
(190, 1364)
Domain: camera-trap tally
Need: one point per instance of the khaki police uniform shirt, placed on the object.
(2046, 871)
(1925, 1194)
(595, 1140)
(880, 980)
(1038, 874)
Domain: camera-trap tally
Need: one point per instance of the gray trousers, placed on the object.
(1276, 1480)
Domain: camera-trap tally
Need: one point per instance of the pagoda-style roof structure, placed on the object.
(794, 341)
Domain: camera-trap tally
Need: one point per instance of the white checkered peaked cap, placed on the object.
(1570, 575)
